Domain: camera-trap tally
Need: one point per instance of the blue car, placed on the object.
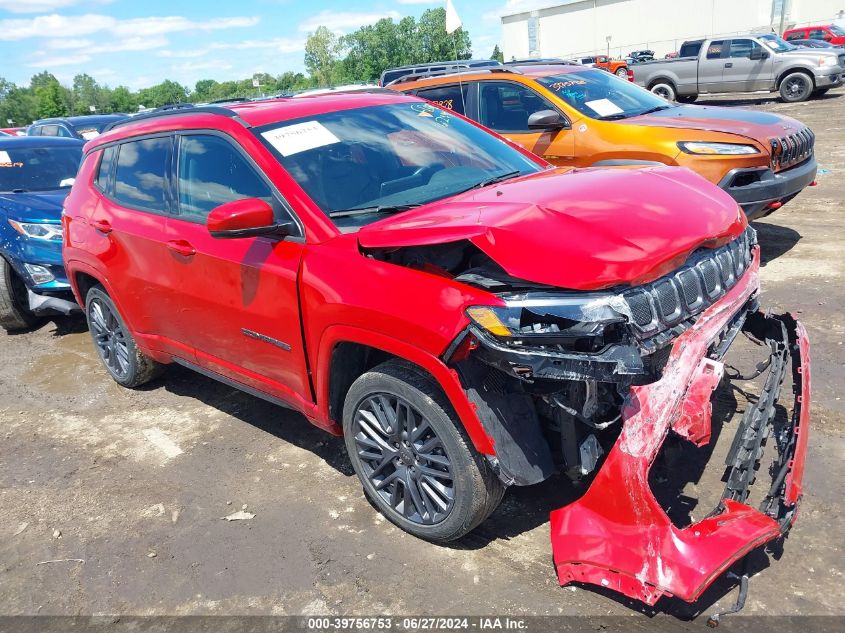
(35, 177)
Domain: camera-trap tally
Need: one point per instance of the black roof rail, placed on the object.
(456, 72)
(543, 62)
(175, 109)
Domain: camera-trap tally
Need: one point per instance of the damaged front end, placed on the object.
(594, 383)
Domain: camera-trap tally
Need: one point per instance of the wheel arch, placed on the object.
(346, 352)
(795, 69)
(663, 80)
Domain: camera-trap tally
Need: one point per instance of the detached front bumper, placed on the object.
(617, 535)
(756, 189)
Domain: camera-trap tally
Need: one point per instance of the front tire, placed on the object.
(127, 365)
(665, 90)
(14, 305)
(413, 457)
(796, 87)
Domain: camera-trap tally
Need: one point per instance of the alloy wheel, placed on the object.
(403, 459)
(796, 86)
(109, 338)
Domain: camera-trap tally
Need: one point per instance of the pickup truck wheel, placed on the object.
(796, 87)
(14, 305)
(665, 90)
(622, 72)
(127, 365)
(413, 457)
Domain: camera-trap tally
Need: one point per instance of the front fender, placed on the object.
(447, 378)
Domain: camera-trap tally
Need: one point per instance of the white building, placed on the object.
(568, 28)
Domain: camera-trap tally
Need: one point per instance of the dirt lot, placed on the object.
(135, 483)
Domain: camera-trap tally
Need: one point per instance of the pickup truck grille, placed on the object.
(788, 151)
(703, 280)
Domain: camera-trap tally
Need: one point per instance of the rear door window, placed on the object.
(450, 97)
(817, 34)
(140, 179)
(49, 130)
(212, 172)
(714, 51)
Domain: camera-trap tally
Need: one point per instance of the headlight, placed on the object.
(48, 232)
(585, 323)
(828, 61)
(717, 149)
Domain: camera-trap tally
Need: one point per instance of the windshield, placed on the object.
(602, 95)
(357, 165)
(777, 44)
(38, 168)
(836, 30)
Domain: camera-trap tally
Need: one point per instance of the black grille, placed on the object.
(677, 297)
(788, 151)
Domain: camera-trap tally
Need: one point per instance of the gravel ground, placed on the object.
(134, 483)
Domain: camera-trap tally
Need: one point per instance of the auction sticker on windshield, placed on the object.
(300, 137)
(603, 107)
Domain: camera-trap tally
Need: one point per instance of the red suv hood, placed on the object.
(760, 126)
(583, 230)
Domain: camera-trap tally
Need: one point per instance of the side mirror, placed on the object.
(247, 217)
(546, 120)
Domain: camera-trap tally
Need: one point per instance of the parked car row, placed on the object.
(467, 314)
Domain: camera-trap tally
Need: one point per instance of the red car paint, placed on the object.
(600, 538)
(186, 295)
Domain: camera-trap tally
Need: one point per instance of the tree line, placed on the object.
(330, 60)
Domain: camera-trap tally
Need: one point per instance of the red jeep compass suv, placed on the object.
(465, 315)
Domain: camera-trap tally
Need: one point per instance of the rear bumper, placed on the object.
(618, 536)
(756, 198)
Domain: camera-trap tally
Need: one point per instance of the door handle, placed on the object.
(181, 247)
(729, 65)
(102, 226)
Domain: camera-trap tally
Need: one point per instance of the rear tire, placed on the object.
(14, 305)
(622, 72)
(664, 89)
(796, 87)
(115, 346)
(413, 457)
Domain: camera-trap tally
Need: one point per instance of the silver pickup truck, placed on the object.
(748, 63)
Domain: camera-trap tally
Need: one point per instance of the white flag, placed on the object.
(453, 21)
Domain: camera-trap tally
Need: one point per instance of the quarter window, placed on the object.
(139, 179)
(49, 130)
(505, 106)
(212, 172)
(105, 169)
(450, 97)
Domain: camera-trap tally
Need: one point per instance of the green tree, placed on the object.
(165, 93)
(436, 43)
(322, 55)
(498, 55)
(18, 105)
(42, 79)
(122, 100)
(203, 90)
(50, 102)
(86, 93)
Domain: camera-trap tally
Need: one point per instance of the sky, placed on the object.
(138, 43)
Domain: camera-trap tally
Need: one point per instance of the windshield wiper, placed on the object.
(493, 180)
(654, 109)
(380, 208)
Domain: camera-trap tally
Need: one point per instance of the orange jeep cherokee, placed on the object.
(584, 117)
